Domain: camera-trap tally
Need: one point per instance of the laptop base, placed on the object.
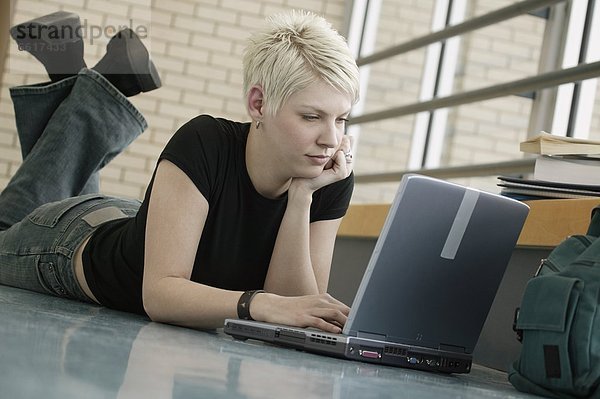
(352, 348)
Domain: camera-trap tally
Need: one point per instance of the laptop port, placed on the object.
(369, 354)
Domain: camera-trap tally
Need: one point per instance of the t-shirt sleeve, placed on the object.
(195, 149)
(332, 201)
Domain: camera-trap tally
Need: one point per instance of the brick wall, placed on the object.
(197, 47)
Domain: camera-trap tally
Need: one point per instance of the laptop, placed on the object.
(429, 284)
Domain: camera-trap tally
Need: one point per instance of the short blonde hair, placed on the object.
(293, 50)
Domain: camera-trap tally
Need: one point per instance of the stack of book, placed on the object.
(564, 168)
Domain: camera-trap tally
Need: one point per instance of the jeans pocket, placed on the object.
(103, 215)
(48, 278)
(48, 215)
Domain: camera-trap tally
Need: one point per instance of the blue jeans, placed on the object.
(68, 131)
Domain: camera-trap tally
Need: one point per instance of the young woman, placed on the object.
(236, 214)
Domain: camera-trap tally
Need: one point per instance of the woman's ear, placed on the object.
(255, 103)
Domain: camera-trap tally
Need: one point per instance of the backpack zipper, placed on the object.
(551, 266)
(548, 263)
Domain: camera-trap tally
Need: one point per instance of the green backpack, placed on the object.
(558, 322)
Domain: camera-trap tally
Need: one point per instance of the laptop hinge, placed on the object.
(368, 335)
(452, 348)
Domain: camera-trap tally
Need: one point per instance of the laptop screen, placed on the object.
(437, 265)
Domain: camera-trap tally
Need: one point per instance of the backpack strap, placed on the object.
(594, 228)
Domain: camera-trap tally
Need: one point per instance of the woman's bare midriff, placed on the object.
(79, 275)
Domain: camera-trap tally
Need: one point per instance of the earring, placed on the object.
(257, 124)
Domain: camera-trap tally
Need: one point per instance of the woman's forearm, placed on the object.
(176, 300)
(179, 301)
(291, 270)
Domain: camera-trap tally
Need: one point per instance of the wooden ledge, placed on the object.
(364, 220)
(549, 221)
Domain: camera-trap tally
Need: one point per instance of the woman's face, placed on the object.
(308, 128)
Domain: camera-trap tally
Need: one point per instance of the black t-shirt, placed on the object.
(240, 230)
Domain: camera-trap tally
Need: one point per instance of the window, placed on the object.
(485, 47)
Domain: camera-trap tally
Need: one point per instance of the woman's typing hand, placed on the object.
(321, 311)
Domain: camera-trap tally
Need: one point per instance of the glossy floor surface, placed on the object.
(55, 348)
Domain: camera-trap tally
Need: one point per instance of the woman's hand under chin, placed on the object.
(338, 168)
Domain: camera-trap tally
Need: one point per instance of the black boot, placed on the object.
(127, 64)
(55, 40)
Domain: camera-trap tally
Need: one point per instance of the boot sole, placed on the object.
(57, 19)
(145, 71)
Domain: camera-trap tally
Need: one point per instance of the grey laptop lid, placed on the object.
(436, 266)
